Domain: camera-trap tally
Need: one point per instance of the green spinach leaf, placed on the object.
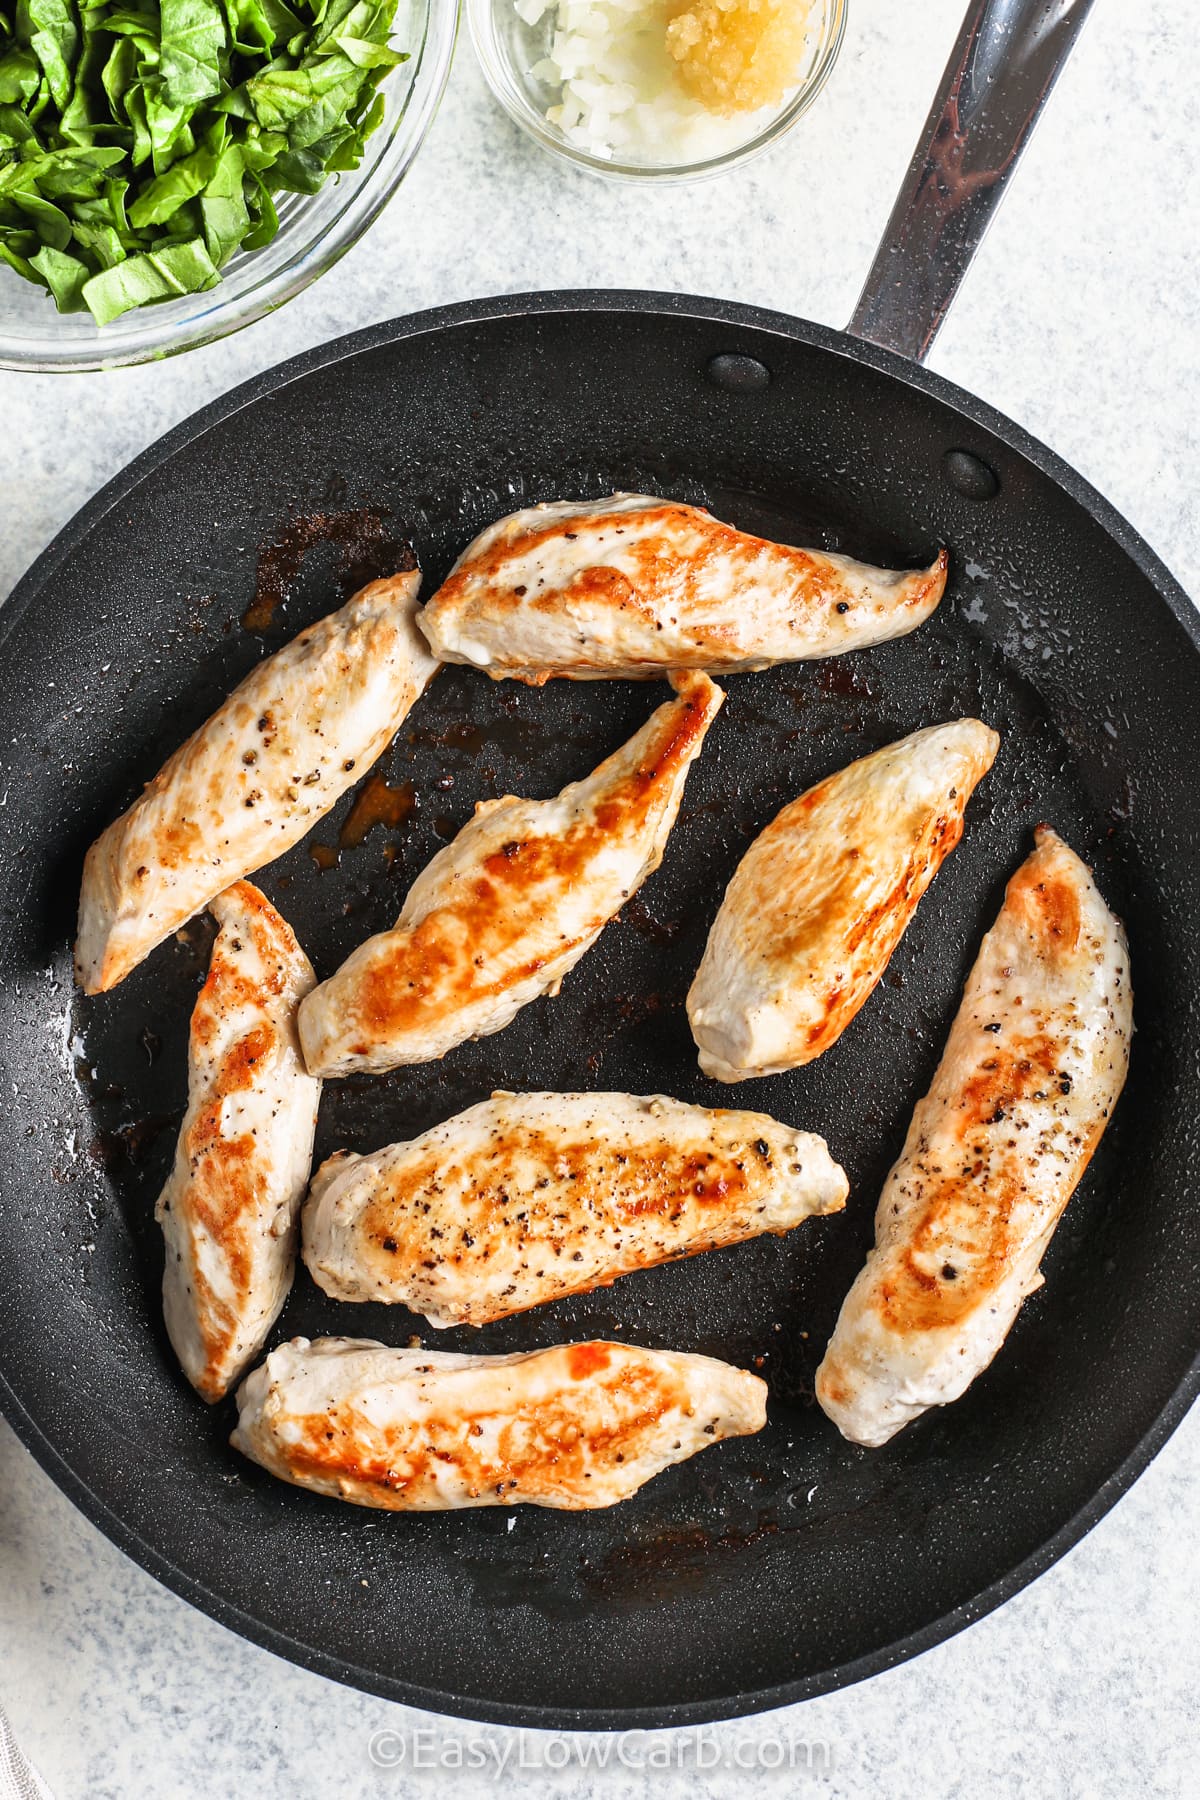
(142, 143)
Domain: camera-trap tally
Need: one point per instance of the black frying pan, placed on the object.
(771, 1568)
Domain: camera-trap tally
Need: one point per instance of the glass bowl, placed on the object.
(509, 49)
(314, 230)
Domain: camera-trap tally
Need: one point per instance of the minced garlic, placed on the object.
(738, 55)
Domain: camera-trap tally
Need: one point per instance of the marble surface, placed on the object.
(1081, 319)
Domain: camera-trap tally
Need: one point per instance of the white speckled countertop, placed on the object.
(1081, 319)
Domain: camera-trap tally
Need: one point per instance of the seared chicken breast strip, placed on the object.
(527, 1197)
(633, 585)
(1032, 1070)
(501, 914)
(576, 1427)
(230, 1207)
(823, 896)
(301, 729)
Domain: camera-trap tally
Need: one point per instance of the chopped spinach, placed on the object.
(141, 144)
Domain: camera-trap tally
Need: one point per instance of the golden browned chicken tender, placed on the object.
(822, 897)
(230, 1207)
(1035, 1062)
(635, 585)
(527, 1197)
(303, 727)
(577, 1426)
(505, 911)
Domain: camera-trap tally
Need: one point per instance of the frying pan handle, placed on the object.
(1008, 56)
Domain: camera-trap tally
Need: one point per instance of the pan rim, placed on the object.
(603, 300)
(973, 411)
(578, 1719)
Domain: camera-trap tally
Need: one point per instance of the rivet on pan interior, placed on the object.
(970, 475)
(739, 374)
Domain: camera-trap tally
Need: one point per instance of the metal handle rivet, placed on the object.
(739, 374)
(970, 476)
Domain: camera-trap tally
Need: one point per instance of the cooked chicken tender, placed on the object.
(501, 914)
(823, 896)
(1032, 1070)
(229, 1209)
(575, 1427)
(634, 584)
(303, 727)
(527, 1197)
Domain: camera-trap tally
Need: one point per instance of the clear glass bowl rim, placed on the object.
(157, 332)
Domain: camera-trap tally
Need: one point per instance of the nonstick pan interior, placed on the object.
(765, 1569)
